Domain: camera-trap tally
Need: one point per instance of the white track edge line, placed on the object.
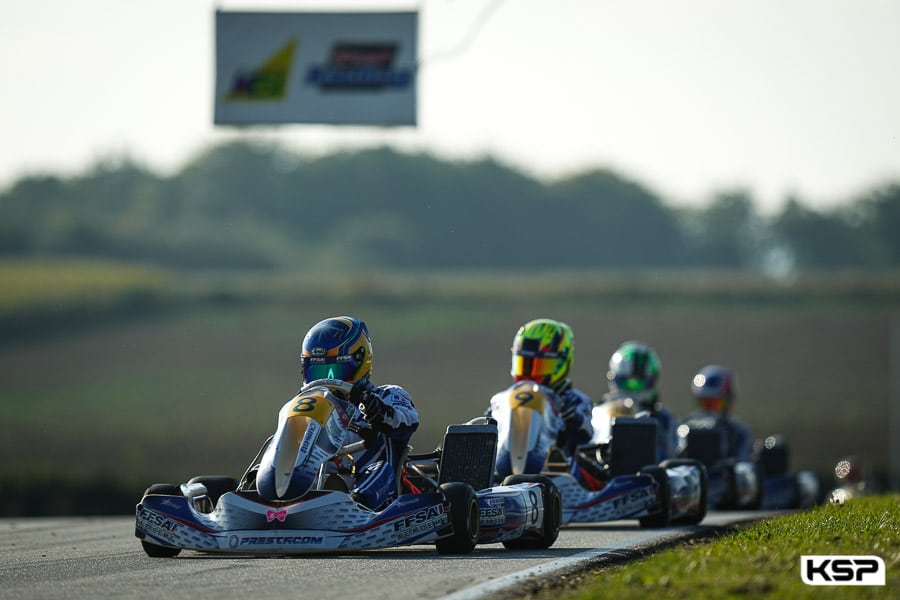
(482, 590)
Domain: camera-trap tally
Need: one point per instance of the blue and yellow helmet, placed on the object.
(542, 351)
(337, 348)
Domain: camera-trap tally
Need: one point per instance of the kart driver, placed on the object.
(543, 351)
(633, 373)
(340, 348)
(714, 388)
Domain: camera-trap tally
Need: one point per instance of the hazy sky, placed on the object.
(685, 96)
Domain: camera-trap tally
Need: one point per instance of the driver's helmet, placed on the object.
(633, 372)
(542, 352)
(337, 348)
(714, 387)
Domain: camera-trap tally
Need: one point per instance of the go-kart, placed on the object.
(293, 497)
(782, 488)
(761, 482)
(613, 478)
(734, 484)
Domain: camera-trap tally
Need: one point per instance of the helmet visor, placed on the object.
(534, 366)
(345, 368)
(631, 384)
(713, 404)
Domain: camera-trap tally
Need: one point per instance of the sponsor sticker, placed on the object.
(421, 521)
(842, 570)
(279, 540)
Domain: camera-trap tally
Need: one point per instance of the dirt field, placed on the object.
(167, 397)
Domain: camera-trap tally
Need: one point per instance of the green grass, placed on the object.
(27, 285)
(762, 560)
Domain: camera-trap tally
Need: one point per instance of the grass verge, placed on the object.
(757, 561)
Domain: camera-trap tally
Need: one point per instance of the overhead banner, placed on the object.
(348, 68)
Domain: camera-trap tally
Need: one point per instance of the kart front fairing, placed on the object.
(528, 422)
(311, 428)
(321, 521)
(329, 521)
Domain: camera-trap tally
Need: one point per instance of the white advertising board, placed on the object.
(349, 68)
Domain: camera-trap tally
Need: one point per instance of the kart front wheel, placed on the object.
(663, 493)
(155, 550)
(699, 513)
(465, 518)
(552, 501)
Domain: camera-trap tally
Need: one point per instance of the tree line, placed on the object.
(254, 205)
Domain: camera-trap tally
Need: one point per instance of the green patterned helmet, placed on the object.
(542, 352)
(634, 369)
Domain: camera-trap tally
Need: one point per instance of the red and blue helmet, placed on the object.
(337, 348)
(714, 388)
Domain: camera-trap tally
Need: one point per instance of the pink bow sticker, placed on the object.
(271, 515)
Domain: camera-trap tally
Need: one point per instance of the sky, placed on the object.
(687, 97)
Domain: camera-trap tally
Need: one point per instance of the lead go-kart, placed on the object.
(293, 499)
(615, 478)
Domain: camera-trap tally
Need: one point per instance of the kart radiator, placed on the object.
(633, 445)
(468, 455)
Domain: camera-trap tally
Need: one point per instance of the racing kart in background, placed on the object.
(762, 482)
(781, 487)
(734, 484)
(293, 497)
(612, 479)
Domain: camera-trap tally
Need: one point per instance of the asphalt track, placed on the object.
(96, 557)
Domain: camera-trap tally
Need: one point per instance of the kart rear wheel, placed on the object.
(664, 493)
(698, 515)
(552, 521)
(163, 489)
(465, 517)
(215, 485)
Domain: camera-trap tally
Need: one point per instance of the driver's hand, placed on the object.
(370, 405)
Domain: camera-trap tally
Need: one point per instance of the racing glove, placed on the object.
(370, 405)
(571, 416)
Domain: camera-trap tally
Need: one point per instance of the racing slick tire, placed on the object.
(698, 515)
(757, 501)
(215, 485)
(664, 492)
(552, 500)
(155, 550)
(465, 517)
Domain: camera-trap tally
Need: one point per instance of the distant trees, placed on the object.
(249, 205)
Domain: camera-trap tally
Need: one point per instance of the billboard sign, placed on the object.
(346, 68)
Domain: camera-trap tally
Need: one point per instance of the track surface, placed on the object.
(96, 557)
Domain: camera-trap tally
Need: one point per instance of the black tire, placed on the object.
(729, 500)
(163, 489)
(155, 550)
(465, 517)
(664, 492)
(757, 501)
(552, 522)
(216, 485)
(697, 516)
